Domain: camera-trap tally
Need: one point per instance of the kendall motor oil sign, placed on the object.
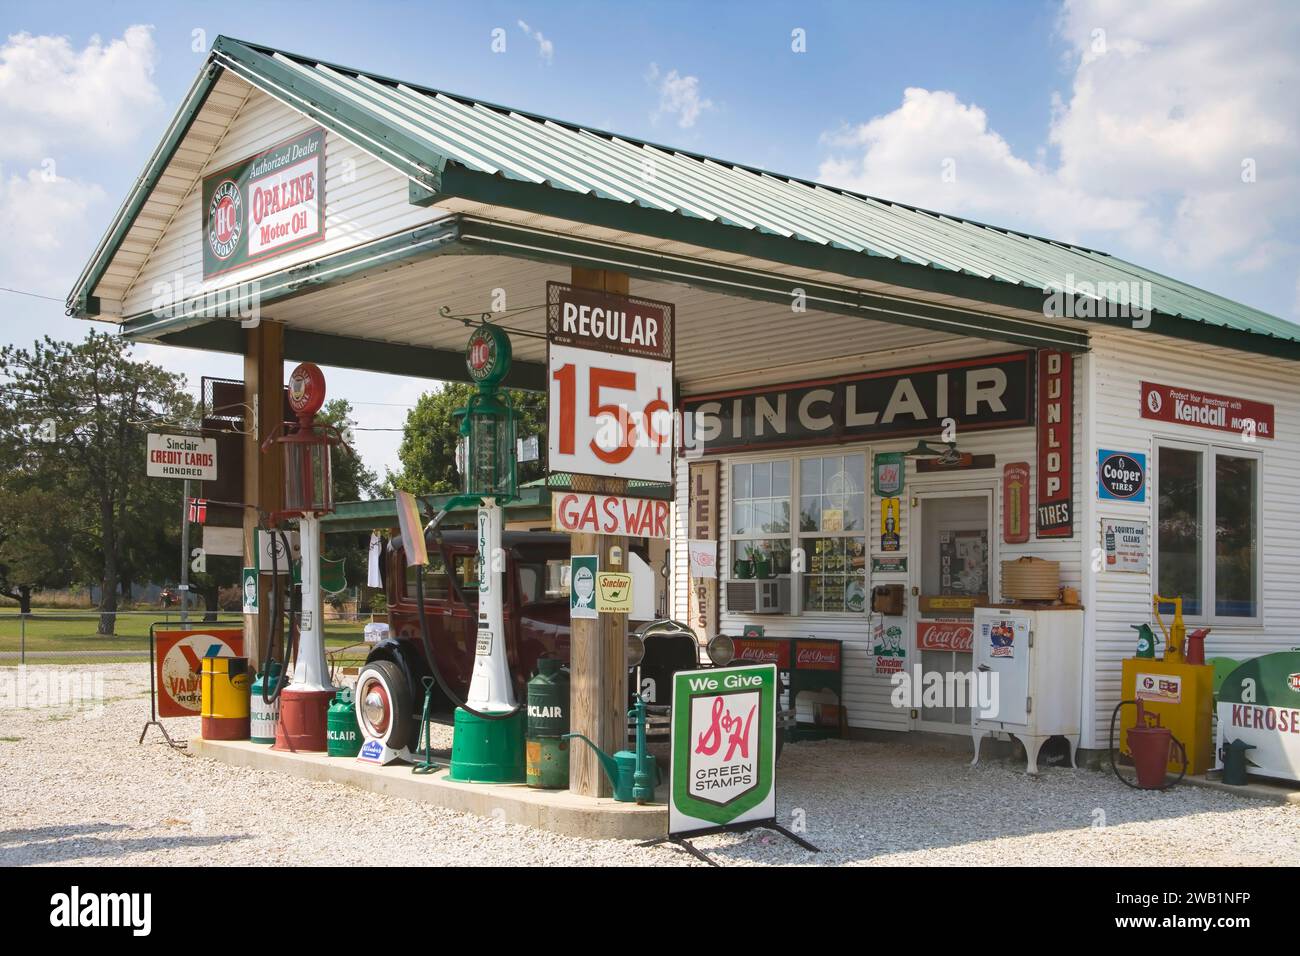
(265, 205)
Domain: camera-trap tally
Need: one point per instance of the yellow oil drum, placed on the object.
(1182, 695)
(224, 708)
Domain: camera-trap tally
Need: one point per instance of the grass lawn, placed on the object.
(47, 630)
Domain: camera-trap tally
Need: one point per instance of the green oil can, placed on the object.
(342, 735)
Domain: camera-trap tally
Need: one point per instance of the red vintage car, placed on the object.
(391, 685)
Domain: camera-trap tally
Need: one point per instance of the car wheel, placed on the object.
(383, 704)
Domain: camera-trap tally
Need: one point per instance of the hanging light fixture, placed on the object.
(947, 454)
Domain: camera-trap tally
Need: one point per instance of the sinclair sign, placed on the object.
(983, 393)
(265, 205)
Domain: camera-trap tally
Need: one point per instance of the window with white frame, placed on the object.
(760, 518)
(1201, 487)
(827, 493)
(833, 532)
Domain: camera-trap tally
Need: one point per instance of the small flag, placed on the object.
(198, 510)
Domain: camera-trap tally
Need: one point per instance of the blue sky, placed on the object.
(1097, 121)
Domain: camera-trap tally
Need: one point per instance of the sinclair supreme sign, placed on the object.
(265, 205)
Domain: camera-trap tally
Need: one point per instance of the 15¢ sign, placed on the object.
(610, 365)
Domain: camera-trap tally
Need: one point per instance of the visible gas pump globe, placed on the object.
(487, 424)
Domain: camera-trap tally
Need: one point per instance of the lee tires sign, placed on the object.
(724, 747)
(611, 385)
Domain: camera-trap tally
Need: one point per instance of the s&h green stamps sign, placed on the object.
(724, 747)
(265, 205)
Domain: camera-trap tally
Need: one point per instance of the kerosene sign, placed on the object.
(724, 747)
(265, 205)
(979, 394)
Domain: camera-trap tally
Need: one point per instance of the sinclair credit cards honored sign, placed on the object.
(724, 747)
(265, 205)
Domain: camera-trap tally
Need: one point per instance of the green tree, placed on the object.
(353, 481)
(37, 530)
(73, 419)
(431, 434)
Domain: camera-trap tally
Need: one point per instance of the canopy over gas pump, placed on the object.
(308, 494)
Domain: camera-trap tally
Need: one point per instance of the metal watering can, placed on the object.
(632, 775)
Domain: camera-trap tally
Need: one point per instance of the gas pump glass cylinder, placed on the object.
(308, 487)
(487, 426)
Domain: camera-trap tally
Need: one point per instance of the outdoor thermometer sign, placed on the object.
(724, 747)
(265, 205)
(610, 365)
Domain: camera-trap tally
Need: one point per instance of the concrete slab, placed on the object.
(557, 811)
(1275, 791)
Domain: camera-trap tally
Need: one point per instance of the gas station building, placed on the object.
(871, 394)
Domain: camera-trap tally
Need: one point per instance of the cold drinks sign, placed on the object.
(265, 205)
(724, 747)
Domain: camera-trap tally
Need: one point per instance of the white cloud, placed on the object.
(53, 99)
(1146, 150)
(679, 96)
(44, 217)
(545, 48)
(53, 95)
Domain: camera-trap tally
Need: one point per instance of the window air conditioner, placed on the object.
(767, 596)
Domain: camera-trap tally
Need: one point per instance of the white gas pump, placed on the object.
(489, 686)
(308, 494)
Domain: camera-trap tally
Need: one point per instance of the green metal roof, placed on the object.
(563, 481)
(455, 146)
(380, 513)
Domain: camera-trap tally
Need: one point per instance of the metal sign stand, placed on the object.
(683, 841)
(153, 720)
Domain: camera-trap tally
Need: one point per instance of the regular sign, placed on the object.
(610, 367)
(724, 747)
(181, 456)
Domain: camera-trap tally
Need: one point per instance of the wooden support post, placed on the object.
(598, 648)
(263, 473)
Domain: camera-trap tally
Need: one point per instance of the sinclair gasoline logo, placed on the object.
(225, 219)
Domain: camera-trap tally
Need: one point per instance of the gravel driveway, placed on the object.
(75, 788)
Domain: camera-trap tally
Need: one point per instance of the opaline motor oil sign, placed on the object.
(724, 747)
(265, 205)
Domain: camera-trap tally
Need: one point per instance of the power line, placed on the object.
(34, 295)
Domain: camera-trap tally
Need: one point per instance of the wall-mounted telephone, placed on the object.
(887, 599)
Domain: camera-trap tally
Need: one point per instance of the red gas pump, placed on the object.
(308, 494)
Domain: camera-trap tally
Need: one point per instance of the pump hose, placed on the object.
(276, 635)
(1173, 783)
(433, 666)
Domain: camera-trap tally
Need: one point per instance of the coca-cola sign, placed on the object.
(945, 636)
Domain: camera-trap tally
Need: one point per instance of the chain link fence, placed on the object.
(63, 636)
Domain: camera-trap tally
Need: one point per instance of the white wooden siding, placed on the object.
(867, 696)
(364, 200)
(1120, 360)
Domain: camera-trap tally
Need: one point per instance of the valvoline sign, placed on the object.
(1121, 475)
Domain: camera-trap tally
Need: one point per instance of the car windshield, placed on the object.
(548, 581)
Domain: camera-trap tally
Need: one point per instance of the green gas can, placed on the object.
(546, 752)
(343, 736)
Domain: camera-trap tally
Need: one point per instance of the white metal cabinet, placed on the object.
(1037, 658)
